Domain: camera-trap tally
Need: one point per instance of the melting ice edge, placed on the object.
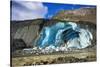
(63, 36)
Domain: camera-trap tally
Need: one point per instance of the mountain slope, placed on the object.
(25, 33)
(82, 14)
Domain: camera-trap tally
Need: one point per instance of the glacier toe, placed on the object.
(63, 36)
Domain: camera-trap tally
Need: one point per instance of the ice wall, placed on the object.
(63, 36)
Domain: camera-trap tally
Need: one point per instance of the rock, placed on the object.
(82, 14)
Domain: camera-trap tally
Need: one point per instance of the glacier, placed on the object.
(64, 35)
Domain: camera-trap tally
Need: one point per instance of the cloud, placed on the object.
(24, 10)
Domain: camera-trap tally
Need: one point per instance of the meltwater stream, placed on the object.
(62, 36)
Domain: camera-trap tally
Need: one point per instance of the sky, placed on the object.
(25, 10)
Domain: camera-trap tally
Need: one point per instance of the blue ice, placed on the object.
(68, 33)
